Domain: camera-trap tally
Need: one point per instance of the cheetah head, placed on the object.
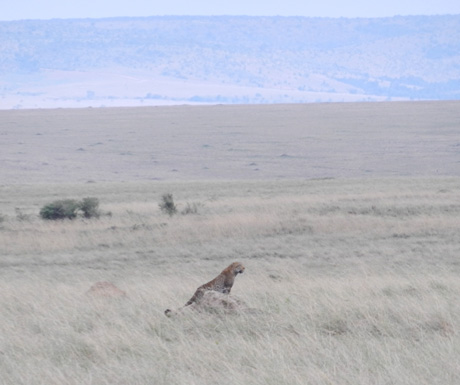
(237, 268)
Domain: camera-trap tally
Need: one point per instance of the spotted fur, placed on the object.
(222, 283)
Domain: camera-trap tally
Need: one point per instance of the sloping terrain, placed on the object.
(158, 60)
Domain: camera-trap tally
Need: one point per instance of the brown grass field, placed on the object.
(346, 216)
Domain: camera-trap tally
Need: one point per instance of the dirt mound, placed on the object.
(214, 302)
(105, 289)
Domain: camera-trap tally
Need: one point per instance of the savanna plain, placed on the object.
(346, 217)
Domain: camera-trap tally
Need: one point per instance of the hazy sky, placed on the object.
(47, 9)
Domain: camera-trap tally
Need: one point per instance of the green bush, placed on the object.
(61, 209)
(167, 204)
(90, 208)
(70, 209)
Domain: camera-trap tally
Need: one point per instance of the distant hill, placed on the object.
(161, 60)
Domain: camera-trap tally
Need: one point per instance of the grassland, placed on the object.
(355, 279)
(230, 142)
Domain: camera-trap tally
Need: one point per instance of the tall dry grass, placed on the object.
(355, 282)
(350, 330)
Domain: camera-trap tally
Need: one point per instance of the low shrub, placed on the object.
(60, 209)
(167, 204)
(90, 208)
(70, 209)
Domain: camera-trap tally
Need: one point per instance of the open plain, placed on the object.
(346, 217)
